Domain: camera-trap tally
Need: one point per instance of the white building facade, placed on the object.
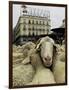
(30, 25)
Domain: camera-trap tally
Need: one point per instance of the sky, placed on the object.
(57, 14)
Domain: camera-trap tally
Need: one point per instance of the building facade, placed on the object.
(31, 26)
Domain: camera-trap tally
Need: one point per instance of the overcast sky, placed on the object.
(57, 14)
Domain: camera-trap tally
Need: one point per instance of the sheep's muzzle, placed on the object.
(47, 61)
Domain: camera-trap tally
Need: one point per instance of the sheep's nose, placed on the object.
(48, 59)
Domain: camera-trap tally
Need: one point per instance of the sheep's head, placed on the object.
(46, 46)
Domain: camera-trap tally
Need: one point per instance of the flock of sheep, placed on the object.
(40, 63)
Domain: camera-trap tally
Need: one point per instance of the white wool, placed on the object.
(22, 74)
(42, 75)
(59, 72)
(59, 65)
(35, 72)
(46, 46)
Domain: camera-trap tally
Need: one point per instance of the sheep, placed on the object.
(28, 45)
(17, 55)
(20, 49)
(33, 69)
(17, 49)
(58, 66)
(21, 52)
(47, 48)
(42, 75)
(60, 52)
(17, 58)
(48, 54)
(26, 48)
(22, 74)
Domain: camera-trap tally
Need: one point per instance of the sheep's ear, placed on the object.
(38, 47)
(57, 47)
(54, 50)
(38, 44)
(26, 61)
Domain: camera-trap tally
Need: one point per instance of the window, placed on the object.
(29, 33)
(47, 31)
(48, 23)
(33, 28)
(36, 22)
(43, 30)
(40, 22)
(33, 34)
(43, 23)
(29, 22)
(33, 22)
(36, 33)
(24, 28)
(29, 29)
(24, 21)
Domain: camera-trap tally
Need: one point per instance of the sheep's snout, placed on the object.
(48, 58)
(47, 61)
